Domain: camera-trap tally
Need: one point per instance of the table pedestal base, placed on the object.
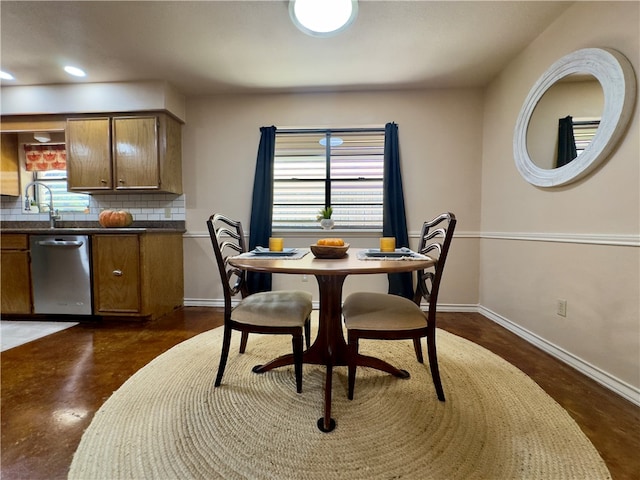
(329, 347)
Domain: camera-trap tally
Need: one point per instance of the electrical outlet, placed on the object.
(167, 212)
(562, 308)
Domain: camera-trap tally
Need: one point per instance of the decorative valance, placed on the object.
(52, 156)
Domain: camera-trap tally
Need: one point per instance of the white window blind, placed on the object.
(63, 200)
(584, 129)
(346, 175)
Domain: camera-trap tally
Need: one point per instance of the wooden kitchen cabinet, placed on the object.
(9, 166)
(15, 275)
(116, 274)
(89, 164)
(137, 275)
(119, 153)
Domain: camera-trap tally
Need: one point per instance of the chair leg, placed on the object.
(297, 360)
(243, 341)
(226, 342)
(353, 352)
(307, 332)
(418, 348)
(433, 365)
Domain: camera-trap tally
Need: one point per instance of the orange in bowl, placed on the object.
(329, 251)
(334, 242)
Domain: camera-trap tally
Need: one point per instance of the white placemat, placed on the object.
(300, 252)
(411, 255)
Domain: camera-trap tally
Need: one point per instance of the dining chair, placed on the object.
(284, 312)
(384, 316)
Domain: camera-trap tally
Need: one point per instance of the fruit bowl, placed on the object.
(329, 251)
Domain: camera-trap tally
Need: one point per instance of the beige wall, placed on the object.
(440, 142)
(541, 245)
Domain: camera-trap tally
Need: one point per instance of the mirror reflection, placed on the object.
(565, 121)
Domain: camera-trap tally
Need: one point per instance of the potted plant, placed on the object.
(324, 215)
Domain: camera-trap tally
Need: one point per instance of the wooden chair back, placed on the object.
(435, 239)
(227, 238)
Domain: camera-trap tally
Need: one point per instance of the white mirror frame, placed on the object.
(615, 74)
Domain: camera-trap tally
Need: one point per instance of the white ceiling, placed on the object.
(204, 47)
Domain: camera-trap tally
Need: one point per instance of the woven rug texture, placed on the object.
(169, 422)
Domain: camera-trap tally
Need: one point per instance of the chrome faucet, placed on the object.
(53, 214)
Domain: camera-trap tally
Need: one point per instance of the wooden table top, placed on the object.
(348, 265)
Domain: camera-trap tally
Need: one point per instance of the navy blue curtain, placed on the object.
(262, 205)
(566, 142)
(394, 220)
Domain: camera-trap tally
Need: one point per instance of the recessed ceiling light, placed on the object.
(323, 18)
(6, 76)
(75, 71)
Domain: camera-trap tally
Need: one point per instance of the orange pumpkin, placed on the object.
(333, 242)
(113, 218)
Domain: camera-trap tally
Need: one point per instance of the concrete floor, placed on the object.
(52, 387)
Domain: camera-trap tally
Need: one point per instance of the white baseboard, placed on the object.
(614, 384)
(203, 302)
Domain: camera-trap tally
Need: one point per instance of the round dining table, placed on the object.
(330, 348)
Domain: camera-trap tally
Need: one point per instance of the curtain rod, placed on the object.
(325, 130)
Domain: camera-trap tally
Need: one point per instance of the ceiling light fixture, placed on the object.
(42, 137)
(334, 142)
(323, 18)
(6, 76)
(75, 71)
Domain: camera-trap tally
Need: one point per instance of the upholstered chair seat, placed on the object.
(373, 311)
(278, 308)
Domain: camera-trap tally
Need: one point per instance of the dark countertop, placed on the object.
(89, 228)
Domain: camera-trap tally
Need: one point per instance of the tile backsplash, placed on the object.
(148, 207)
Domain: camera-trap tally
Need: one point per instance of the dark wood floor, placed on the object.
(52, 387)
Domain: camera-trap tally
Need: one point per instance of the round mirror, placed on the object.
(574, 116)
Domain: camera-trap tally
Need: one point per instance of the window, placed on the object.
(584, 130)
(63, 200)
(314, 169)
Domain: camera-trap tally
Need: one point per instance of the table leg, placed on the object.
(326, 423)
(331, 345)
(373, 362)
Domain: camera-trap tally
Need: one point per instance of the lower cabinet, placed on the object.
(15, 282)
(137, 275)
(134, 275)
(116, 274)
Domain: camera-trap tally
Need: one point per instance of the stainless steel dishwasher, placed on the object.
(61, 274)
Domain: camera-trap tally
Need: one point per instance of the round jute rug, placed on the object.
(169, 422)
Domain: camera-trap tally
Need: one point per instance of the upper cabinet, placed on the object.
(9, 176)
(89, 163)
(118, 153)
